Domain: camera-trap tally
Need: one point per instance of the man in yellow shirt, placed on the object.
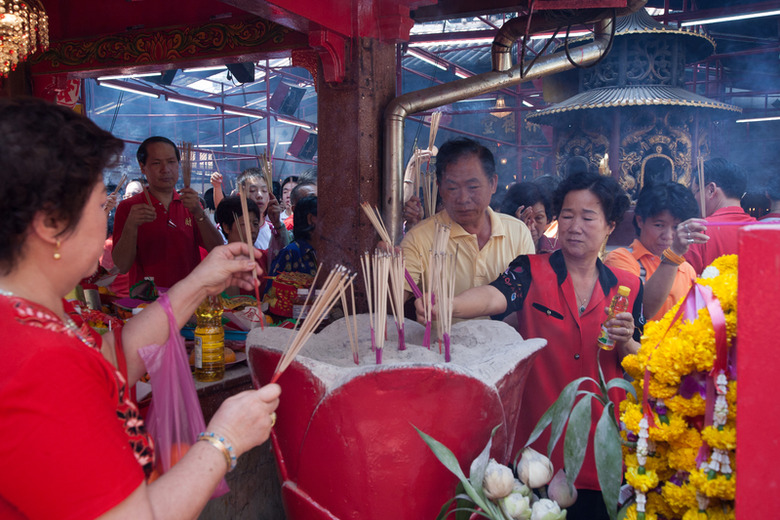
(486, 241)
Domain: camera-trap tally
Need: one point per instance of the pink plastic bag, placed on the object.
(175, 418)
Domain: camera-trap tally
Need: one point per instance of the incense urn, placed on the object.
(345, 440)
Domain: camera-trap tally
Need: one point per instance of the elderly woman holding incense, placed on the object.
(562, 297)
(73, 444)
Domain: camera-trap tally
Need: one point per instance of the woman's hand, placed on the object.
(527, 216)
(216, 181)
(245, 419)
(621, 331)
(274, 211)
(692, 231)
(225, 266)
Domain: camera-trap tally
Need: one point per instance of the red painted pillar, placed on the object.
(758, 365)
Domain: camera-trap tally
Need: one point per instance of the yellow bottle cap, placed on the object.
(624, 291)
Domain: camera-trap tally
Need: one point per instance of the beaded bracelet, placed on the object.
(672, 257)
(222, 445)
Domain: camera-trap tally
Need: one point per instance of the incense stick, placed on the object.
(267, 168)
(238, 227)
(376, 220)
(702, 204)
(251, 246)
(148, 198)
(186, 163)
(441, 237)
(332, 289)
(352, 338)
(381, 272)
(397, 289)
(365, 264)
(119, 186)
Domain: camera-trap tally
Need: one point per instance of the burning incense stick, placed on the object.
(332, 289)
(238, 227)
(251, 246)
(441, 237)
(186, 163)
(397, 289)
(702, 205)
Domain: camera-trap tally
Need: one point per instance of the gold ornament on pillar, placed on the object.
(24, 29)
(57, 254)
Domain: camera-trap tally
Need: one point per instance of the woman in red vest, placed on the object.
(562, 297)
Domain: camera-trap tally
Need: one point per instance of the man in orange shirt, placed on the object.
(659, 212)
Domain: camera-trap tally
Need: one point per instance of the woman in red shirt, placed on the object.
(73, 444)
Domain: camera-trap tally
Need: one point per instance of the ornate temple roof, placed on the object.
(638, 96)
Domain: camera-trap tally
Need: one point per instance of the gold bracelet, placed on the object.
(672, 257)
(222, 445)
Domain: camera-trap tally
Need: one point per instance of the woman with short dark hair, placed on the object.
(561, 297)
(74, 444)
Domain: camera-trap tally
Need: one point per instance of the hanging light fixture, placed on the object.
(24, 29)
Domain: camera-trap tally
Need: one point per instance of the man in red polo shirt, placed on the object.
(161, 240)
(724, 185)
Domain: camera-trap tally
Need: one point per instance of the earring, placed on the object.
(57, 254)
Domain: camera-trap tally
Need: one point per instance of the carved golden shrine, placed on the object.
(633, 107)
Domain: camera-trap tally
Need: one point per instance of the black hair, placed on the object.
(305, 207)
(51, 160)
(230, 206)
(726, 175)
(250, 173)
(613, 199)
(548, 184)
(288, 179)
(455, 149)
(524, 194)
(309, 175)
(143, 154)
(665, 196)
(209, 198)
(296, 192)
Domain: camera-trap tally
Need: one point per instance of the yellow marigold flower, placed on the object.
(642, 483)
(631, 514)
(721, 512)
(661, 391)
(718, 487)
(633, 367)
(694, 514)
(632, 414)
(691, 438)
(654, 463)
(725, 439)
(668, 432)
(657, 505)
(683, 459)
(679, 498)
(692, 407)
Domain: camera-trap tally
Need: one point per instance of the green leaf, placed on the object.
(624, 510)
(609, 459)
(444, 512)
(562, 408)
(619, 382)
(480, 464)
(602, 384)
(450, 462)
(576, 442)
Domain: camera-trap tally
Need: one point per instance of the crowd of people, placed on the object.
(540, 258)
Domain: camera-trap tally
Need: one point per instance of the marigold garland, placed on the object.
(679, 359)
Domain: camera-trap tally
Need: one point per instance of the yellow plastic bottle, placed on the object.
(209, 341)
(619, 304)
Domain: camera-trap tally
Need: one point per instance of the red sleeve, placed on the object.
(65, 454)
(694, 256)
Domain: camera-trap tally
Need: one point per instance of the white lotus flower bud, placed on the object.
(559, 490)
(521, 488)
(517, 506)
(534, 469)
(546, 509)
(498, 481)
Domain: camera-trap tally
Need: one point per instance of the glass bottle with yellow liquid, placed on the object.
(209, 341)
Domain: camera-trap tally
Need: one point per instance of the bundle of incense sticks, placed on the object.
(397, 279)
(238, 228)
(186, 163)
(265, 165)
(376, 271)
(148, 198)
(121, 183)
(702, 205)
(441, 237)
(376, 220)
(430, 187)
(251, 246)
(442, 267)
(332, 290)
